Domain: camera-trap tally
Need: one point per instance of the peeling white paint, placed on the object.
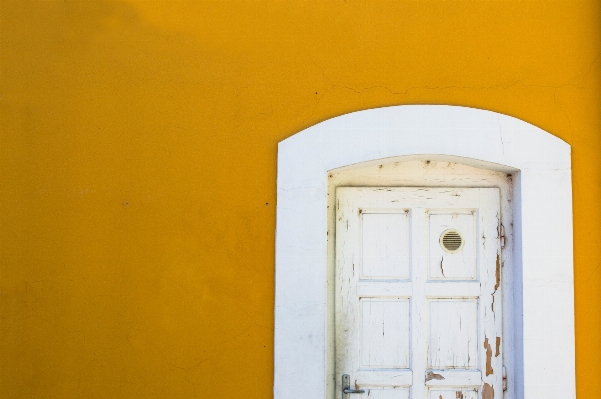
(431, 328)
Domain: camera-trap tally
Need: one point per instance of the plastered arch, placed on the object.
(542, 216)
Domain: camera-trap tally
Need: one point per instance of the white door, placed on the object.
(418, 298)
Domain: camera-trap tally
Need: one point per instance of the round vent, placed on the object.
(451, 241)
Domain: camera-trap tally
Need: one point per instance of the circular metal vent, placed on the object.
(451, 241)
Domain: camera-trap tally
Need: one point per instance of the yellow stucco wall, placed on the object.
(138, 167)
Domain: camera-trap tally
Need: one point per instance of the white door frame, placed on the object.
(540, 166)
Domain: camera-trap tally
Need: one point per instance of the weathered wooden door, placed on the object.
(418, 297)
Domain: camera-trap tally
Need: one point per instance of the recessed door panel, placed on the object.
(453, 333)
(453, 393)
(385, 330)
(385, 245)
(391, 393)
(455, 258)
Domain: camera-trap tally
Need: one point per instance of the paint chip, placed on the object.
(489, 369)
(433, 376)
(498, 273)
(498, 352)
(488, 392)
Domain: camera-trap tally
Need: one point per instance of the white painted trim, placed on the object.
(542, 214)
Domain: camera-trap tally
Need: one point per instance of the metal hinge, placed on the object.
(502, 235)
(504, 378)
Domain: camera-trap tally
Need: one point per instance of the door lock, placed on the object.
(346, 387)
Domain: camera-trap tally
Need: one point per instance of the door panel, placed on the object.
(452, 266)
(453, 333)
(385, 246)
(395, 393)
(418, 304)
(460, 393)
(385, 341)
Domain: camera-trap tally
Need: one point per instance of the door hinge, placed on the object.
(504, 378)
(502, 235)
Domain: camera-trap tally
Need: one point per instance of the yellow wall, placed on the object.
(138, 167)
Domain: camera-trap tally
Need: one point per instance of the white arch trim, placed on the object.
(543, 255)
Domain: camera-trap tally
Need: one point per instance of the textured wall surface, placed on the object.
(138, 145)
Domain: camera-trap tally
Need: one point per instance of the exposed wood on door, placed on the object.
(498, 346)
(488, 350)
(497, 273)
(433, 376)
(488, 392)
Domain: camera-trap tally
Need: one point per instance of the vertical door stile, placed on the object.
(346, 248)
(490, 297)
(339, 337)
(419, 315)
